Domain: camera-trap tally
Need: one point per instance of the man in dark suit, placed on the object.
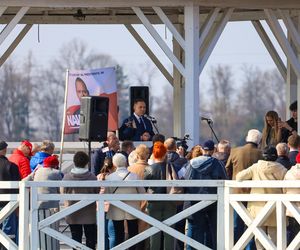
(134, 126)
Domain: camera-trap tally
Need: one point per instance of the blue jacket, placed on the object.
(134, 134)
(205, 168)
(38, 158)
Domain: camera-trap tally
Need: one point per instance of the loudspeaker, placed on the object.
(93, 118)
(139, 92)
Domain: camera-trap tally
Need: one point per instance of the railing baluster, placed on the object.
(24, 214)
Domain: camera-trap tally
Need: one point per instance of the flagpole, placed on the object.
(64, 121)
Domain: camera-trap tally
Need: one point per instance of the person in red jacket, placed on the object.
(20, 158)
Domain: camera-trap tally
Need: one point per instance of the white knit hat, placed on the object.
(254, 136)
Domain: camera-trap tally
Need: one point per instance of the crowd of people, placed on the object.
(272, 154)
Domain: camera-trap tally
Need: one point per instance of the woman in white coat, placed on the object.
(117, 215)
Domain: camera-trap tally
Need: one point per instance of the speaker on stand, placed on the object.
(93, 120)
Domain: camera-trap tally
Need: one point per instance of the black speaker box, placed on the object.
(93, 118)
(139, 92)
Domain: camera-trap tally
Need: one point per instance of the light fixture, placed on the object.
(79, 15)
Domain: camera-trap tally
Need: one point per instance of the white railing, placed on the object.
(227, 202)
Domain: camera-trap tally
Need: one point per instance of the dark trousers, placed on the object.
(90, 232)
(180, 227)
(292, 229)
(120, 232)
(203, 228)
(239, 228)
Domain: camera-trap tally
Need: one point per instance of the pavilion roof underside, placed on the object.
(115, 15)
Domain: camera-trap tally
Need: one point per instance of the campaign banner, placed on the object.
(93, 82)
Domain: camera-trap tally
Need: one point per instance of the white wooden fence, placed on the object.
(227, 202)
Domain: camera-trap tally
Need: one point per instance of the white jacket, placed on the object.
(293, 175)
(115, 213)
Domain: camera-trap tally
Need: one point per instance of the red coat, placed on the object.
(21, 161)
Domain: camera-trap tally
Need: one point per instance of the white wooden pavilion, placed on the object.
(196, 26)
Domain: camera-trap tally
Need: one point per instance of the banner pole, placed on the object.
(64, 121)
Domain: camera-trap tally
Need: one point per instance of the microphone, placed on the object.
(203, 118)
(151, 118)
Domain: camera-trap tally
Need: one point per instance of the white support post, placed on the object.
(24, 243)
(12, 24)
(290, 27)
(178, 90)
(228, 219)
(220, 219)
(149, 52)
(2, 10)
(159, 40)
(212, 44)
(270, 47)
(170, 26)
(101, 226)
(191, 25)
(34, 233)
(283, 41)
(281, 225)
(208, 24)
(15, 43)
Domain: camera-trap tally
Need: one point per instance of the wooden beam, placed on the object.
(270, 47)
(246, 4)
(15, 43)
(149, 52)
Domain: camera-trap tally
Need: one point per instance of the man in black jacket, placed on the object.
(8, 172)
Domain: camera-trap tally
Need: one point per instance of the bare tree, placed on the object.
(15, 99)
(73, 55)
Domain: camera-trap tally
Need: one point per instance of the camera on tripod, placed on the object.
(182, 142)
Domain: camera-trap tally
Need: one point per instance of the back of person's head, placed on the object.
(80, 159)
(132, 158)
(224, 146)
(158, 137)
(170, 144)
(293, 106)
(127, 146)
(142, 152)
(159, 150)
(119, 160)
(254, 136)
(282, 149)
(208, 147)
(294, 141)
(3, 147)
(51, 162)
(107, 165)
(47, 146)
(196, 151)
(269, 153)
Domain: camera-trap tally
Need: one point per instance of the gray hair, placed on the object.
(47, 145)
(119, 160)
(282, 149)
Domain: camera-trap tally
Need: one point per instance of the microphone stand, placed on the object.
(210, 123)
(153, 122)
